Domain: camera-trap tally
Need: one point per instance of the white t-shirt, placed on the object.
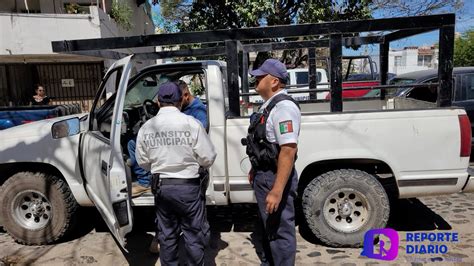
(284, 121)
(174, 145)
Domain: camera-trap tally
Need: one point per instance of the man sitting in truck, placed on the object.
(191, 106)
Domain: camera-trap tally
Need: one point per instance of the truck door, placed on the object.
(101, 154)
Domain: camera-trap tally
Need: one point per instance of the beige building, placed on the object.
(27, 28)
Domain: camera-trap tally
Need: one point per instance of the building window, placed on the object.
(398, 60)
(425, 60)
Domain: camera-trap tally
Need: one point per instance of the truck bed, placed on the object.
(423, 155)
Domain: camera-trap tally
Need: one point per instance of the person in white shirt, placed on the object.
(173, 146)
(272, 146)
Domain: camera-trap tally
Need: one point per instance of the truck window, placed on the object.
(468, 85)
(301, 77)
(145, 88)
(102, 109)
(427, 94)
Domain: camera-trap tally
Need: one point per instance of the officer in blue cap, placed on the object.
(272, 145)
(173, 145)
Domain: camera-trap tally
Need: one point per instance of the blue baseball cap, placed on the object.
(169, 92)
(273, 67)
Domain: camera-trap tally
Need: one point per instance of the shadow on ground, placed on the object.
(414, 215)
(236, 218)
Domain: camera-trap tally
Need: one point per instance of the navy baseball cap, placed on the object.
(169, 92)
(272, 67)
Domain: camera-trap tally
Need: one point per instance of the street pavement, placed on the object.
(233, 239)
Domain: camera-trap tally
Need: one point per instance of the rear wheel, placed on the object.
(36, 208)
(340, 206)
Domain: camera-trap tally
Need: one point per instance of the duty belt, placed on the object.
(180, 181)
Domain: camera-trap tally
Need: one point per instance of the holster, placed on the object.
(155, 183)
(204, 178)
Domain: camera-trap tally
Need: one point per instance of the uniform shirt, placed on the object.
(198, 110)
(174, 145)
(284, 121)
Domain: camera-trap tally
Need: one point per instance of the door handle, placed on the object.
(104, 168)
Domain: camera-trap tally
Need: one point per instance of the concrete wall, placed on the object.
(45, 6)
(33, 33)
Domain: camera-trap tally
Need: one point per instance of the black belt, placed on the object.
(180, 181)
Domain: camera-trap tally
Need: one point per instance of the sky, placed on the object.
(464, 22)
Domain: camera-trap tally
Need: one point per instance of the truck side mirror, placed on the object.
(65, 128)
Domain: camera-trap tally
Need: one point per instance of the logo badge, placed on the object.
(381, 251)
(286, 126)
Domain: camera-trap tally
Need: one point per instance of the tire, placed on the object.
(340, 206)
(36, 209)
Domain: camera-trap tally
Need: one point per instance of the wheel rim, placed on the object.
(31, 209)
(346, 210)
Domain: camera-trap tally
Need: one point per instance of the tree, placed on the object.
(464, 49)
(171, 12)
(399, 8)
(228, 14)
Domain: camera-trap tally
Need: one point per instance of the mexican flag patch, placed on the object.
(286, 126)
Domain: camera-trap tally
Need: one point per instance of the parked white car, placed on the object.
(299, 80)
(300, 76)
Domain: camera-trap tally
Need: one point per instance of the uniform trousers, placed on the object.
(181, 208)
(279, 227)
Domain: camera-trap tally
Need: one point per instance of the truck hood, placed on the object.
(37, 129)
(34, 142)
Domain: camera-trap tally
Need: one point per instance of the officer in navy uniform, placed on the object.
(173, 145)
(272, 146)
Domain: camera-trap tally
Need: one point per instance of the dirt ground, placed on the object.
(233, 238)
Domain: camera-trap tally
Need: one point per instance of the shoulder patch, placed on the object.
(286, 127)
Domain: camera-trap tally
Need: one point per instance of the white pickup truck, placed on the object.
(349, 164)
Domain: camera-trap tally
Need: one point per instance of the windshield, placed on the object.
(358, 69)
(145, 88)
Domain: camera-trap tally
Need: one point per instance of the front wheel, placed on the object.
(340, 206)
(36, 208)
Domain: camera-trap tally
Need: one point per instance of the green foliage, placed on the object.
(196, 89)
(172, 12)
(121, 12)
(464, 49)
(228, 14)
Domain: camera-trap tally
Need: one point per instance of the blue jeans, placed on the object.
(143, 176)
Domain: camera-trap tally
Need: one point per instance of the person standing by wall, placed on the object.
(173, 146)
(272, 146)
(40, 98)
